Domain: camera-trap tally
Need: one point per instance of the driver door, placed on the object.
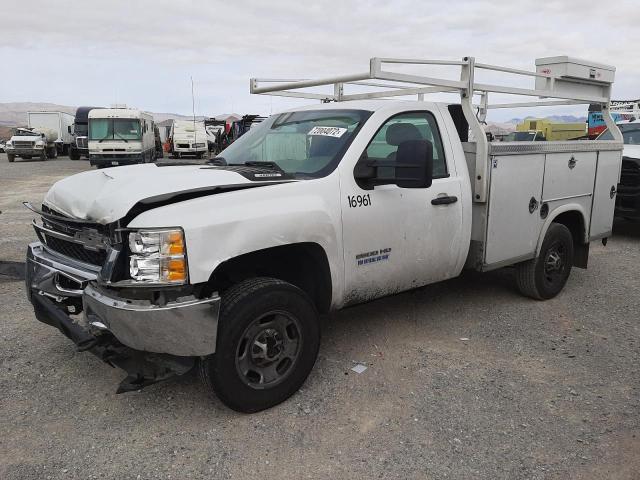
(397, 238)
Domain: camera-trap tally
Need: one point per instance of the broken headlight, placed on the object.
(158, 256)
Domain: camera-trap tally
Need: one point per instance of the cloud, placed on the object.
(146, 50)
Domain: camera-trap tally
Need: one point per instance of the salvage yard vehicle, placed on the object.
(188, 138)
(28, 143)
(80, 131)
(46, 136)
(628, 196)
(120, 136)
(227, 266)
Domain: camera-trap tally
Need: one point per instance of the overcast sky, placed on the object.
(143, 53)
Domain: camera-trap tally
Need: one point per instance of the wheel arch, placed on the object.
(304, 265)
(574, 217)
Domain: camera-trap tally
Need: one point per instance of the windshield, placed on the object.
(20, 132)
(114, 129)
(307, 143)
(80, 129)
(523, 137)
(630, 134)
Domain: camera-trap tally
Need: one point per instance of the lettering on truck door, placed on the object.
(396, 238)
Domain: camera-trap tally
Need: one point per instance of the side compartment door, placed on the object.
(396, 238)
(514, 207)
(604, 196)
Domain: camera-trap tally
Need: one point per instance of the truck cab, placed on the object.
(120, 136)
(28, 143)
(80, 130)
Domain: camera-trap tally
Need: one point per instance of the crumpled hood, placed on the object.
(107, 195)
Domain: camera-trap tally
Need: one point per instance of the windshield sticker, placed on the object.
(264, 175)
(336, 132)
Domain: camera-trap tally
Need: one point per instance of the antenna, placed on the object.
(193, 111)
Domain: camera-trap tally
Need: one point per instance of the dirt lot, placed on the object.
(540, 390)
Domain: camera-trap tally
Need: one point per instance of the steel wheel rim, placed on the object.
(555, 263)
(269, 349)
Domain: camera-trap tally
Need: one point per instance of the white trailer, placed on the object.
(227, 266)
(58, 122)
(188, 138)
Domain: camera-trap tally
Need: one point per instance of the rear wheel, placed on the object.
(545, 276)
(52, 152)
(268, 340)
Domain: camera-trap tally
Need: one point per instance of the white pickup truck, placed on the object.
(227, 265)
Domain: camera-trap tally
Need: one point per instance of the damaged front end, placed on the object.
(73, 276)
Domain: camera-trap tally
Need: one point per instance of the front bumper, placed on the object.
(30, 152)
(115, 159)
(186, 327)
(190, 150)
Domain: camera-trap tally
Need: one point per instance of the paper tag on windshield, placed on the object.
(336, 132)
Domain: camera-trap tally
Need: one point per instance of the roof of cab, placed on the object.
(117, 113)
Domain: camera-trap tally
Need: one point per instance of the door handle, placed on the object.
(444, 200)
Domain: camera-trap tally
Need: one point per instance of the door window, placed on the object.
(406, 127)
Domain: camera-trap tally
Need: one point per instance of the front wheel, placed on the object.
(545, 276)
(11, 157)
(74, 154)
(268, 340)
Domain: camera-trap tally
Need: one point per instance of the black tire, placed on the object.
(260, 320)
(74, 154)
(545, 276)
(51, 153)
(11, 158)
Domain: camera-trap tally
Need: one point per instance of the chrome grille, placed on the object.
(61, 235)
(23, 144)
(81, 142)
(75, 250)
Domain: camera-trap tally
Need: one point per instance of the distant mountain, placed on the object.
(15, 114)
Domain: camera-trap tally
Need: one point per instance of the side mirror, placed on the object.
(414, 164)
(413, 167)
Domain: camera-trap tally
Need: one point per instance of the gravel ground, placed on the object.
(466, 379)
